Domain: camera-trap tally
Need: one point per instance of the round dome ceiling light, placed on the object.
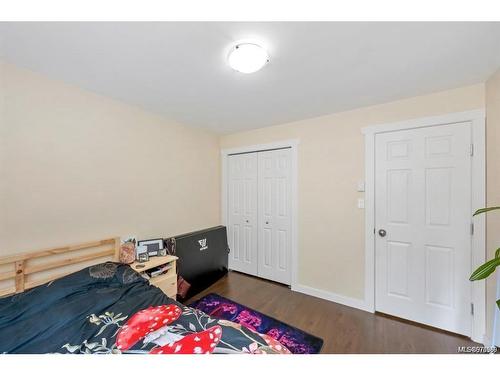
(247, 57)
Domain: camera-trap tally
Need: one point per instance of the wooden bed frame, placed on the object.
(25, 266)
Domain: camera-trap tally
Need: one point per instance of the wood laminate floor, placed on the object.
(343, 329)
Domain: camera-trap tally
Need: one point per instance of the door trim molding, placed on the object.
(293, 145)
(477, 119)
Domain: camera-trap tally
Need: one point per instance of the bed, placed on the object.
(56, 306)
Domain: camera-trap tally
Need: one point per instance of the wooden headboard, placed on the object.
(28, 270)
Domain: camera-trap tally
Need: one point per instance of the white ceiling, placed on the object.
(179, 70)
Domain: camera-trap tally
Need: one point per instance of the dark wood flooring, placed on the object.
(343, 329)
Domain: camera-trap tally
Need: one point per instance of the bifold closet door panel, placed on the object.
(242, 212)
(274, 210)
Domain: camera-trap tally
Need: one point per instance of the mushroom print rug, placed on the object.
(294, 339)
(110, 309)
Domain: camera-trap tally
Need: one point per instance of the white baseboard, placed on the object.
(329, 296)
(359, 304)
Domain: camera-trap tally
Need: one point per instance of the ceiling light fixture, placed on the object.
(247, 57)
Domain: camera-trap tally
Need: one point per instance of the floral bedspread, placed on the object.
(109, 308)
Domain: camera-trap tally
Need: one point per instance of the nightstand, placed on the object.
(167, 282)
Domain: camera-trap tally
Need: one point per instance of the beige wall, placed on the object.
(331, 152)
(493, 182)
(77, 166)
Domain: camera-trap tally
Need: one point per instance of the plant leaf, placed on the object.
(485, 270)
(498, 303)
(486, 209)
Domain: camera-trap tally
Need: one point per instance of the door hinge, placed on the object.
(471, 149)
(471, 229)
(472, 309)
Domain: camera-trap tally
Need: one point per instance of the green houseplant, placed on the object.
(489, 267)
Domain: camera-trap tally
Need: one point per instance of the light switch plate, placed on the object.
(361, 186)
(361, 203)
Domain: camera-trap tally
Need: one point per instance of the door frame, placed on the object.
(478, 176)
(293, 145)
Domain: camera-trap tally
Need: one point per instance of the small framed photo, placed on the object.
(154, 246)
(162, 252)
(143, 258)
(141, 254)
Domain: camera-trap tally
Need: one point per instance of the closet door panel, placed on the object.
(242, 212)
(274, 207)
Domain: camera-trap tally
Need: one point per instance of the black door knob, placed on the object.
(382, 232)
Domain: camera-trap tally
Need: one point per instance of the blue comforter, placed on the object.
(83, 313)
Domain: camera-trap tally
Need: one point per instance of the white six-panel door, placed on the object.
(242, 212)
(423, 203)
(259, 214)
(274, 215)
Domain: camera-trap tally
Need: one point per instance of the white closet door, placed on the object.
(242, 212)
(274, 215)
(423, 217)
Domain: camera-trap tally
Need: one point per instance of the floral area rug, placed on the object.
(296, 340)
